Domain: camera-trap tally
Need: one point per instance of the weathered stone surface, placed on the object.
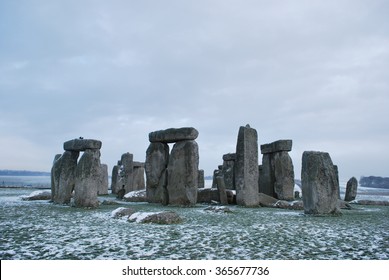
(222, 190)
(81, 145)
(115, 187)
(266, 200)
(122, 212)
(372, 202)
(212, 194)
(267, 179)
(157, 157)
(103, 186)
(351, 189)
(277, 146)
(164, 218)
(246, 167)
(63, 177)
(87, 179)
(172, 135)
(218, 209)
(228, 170)
(319, 184)
(136, 196)
(283, 176)
(183, 167)
(139, 178)
(126, 172)
(37, 195)
(201, 180)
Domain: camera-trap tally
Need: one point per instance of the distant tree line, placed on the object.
(23, 173)
(374, 182)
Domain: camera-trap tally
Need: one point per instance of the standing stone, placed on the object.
(222, 190)
(114, 179)
(284, 176)
(319, 184)
(87, 179)
(103, 186)
(55, 176)
(127, 178)
(351, 189)
(201, 180)
(139, 176)
(228, 170)
(246, 167)
(67, 177)
(183, 173)
(157, 156)
(277, 174)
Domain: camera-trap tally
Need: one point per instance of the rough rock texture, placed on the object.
(283, 176)
(136, 196)
(103, 185)
(87, 179)
(183, 173)
(164, 218)
(277, 171)
(63, 177)
(81, 145)
(157, 157)
(277, 146)
(228, 170)
(372, 202)
(122, 212)
(319, 184)
(211, 195)
(246, 167)
(351, 189)
(201, 180)
(172, 135)
(138, 176)
(38, 195)
(218, 209)
(126, 172)
(222, 190)
(114, 179)
(266, 200)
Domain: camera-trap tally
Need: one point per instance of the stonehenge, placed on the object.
(172, 178)
(86, 178)
(170, 175)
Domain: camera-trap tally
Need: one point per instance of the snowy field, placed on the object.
(41, 230)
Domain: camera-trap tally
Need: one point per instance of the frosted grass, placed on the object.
(41, 230)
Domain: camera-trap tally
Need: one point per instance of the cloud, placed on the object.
(311, 71)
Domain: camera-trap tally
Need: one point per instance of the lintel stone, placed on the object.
(172, 135)
(277, 146)
(80, 145)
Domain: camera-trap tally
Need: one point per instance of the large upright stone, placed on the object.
(81, 145)
(127, 177)
(103, 186)
(228, 170)
(115, 179)
(183, 173)
(67, 177)
(87, 179)
(55, 176)
(277, 172)
(157, 156)
(138, 176)
(246, 167)
(351, 189)
(172, 135)
(201, 180)
(319, 184)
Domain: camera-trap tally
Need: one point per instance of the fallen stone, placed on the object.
(371, 202)
(37, 195)
(212, 194)
(122, 212)
(136, 196)
(344, 204)
(266, 200)
(81, 145)
(164, 218)
(218, 209)
(172, 135)
(277, 146)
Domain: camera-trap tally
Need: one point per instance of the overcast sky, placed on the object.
(316, 72)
